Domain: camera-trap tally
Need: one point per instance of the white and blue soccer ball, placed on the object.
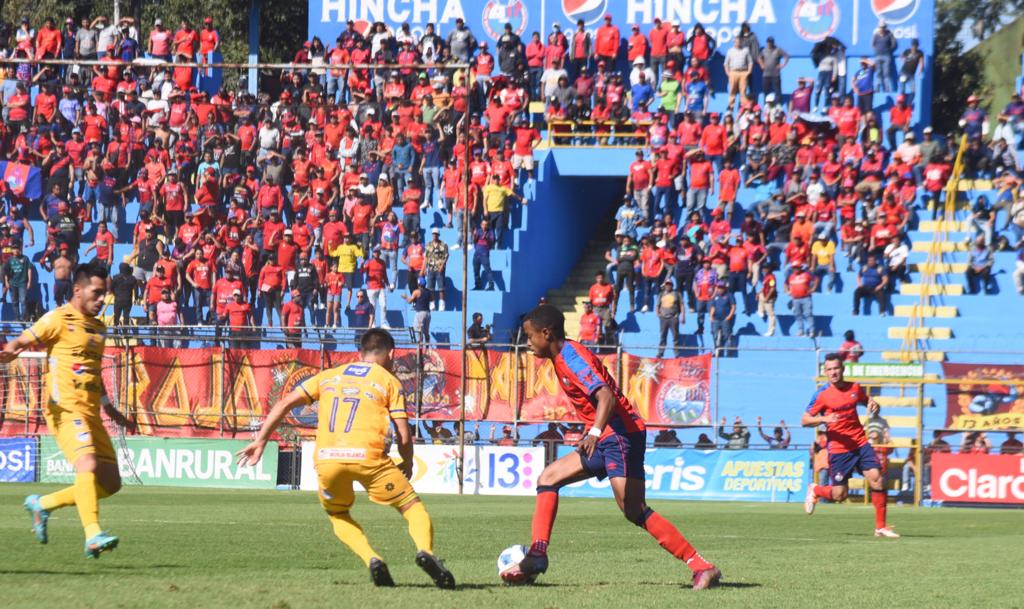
(510, 558)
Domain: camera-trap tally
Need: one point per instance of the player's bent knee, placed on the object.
(543, 487)
(637, 515)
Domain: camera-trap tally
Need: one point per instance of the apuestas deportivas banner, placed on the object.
(18, 459)
(214, 392)
(978, 478)
(995, 405)
(489, 470)
(172, 462)
(776, 476)
(796, 24)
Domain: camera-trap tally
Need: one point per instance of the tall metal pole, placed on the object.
(465, 279)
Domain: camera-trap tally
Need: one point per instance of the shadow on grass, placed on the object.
(739, 585)
(103, 567)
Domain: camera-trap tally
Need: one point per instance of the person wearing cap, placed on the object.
(435, 263)
(722, 312)
(510, 50)
(461, 42)
(738, 65)
(422, 300)
(864, 86)
(800, 285)
(377, 283)
(974, 119)
(606, 41)
(239, 318)
(671, 314)
(166, 314)
(658, 37)
(772, 60)
(209, 39)
(579, 51)
(17, 275)
(293, 318)
(912, 65)
(899, 121)
(883, 43)
(159, 44)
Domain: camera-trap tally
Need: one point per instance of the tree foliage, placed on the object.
(958, 74)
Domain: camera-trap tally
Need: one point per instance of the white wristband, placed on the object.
(595, 432)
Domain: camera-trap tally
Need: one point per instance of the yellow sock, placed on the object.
(420, 528)
(62, 498)
(88, 502)
(351, 534)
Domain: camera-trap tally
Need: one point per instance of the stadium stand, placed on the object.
(166, 146)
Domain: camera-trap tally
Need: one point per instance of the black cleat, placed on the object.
(433, 567)
(379, 574)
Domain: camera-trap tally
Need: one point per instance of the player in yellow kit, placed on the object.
(74, 340)
(358, 402)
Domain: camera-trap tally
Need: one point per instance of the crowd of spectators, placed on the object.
(311, 193)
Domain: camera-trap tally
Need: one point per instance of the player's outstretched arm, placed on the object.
(12, 349)
(251, 454)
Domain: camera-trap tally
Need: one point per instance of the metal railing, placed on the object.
(598, 134)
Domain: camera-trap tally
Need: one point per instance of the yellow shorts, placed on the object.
(78, 434)
(383, 481)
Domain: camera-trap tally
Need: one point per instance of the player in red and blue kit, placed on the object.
(613, 448)
(835, 406)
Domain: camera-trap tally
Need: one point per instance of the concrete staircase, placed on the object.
(569, 297)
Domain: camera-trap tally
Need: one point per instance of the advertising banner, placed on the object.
(216, 392)
(775, 476)
(18, 459)
(173, 462)
(995, 405)
(796, 24)
(977, 478)
(489, 470)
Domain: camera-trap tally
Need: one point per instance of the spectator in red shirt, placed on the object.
(271, 282)
(606, 41)
(701, 182)
(851, 350)
(239, 318)
(800, 285)
(377, 285)
(590, 326)
(292, 318)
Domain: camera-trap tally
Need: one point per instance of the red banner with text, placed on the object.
(994, 405)
(978, 478)
(226, 392)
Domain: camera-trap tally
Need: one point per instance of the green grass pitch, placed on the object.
(274, 550)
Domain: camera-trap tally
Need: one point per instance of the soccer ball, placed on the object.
(509, 559)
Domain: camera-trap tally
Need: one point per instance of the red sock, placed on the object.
(823, 492)
(543, 519)
(879, 499)
(673, 541)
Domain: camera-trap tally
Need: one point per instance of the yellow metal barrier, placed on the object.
(598, 134)
(914, 346)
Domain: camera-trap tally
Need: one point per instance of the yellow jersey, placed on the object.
(357, 403)
(347, 255)
(74, 344)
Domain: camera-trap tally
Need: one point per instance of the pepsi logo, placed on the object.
(589, 11)
(894, 11)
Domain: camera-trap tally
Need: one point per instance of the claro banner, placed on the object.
(173, 462)
(17, 459)
(716, 475)
(976, 478)
(489, 470)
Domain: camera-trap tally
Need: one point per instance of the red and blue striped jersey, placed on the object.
(581, 374)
